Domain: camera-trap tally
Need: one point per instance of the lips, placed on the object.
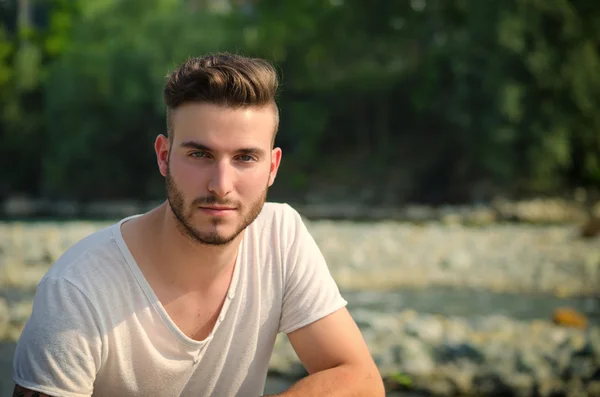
(219, 211)
(216, 208)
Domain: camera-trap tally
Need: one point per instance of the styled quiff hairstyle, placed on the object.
(224, 79)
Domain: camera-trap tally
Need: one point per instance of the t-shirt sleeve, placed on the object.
(59, 350)
(310, 292)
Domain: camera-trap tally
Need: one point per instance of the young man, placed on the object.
(188, 298)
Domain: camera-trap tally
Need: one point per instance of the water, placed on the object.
(6, 355)
(469, 303)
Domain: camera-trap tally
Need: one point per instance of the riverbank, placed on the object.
(446, 308)
(488, 343)
(488, 355)
(429, 348)
(515, 258)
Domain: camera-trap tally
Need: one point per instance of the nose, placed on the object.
(221, 182)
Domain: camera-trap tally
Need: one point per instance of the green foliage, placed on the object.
(402, 379)
(415, 100)
(104, 95)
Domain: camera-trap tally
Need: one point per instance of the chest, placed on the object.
(158, 362)
(196, 314)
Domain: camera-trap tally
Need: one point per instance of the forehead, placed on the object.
(224, 127)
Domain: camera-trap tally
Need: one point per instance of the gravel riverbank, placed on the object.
(495, 257)
(441, 354)
(446, 308)
(444, 355)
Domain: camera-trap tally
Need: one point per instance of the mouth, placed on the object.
(217, 210)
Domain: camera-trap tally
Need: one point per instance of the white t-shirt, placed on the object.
(97, 328)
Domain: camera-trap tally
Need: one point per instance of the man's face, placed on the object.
(218, 168)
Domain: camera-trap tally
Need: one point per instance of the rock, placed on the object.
(593, 389)
(457, 352)
(66, 208)
(20, 206)
(532, 363)
(23, 277)
(570, 318)
(498, 353)
(439, 386)
(591, 273)
(463, 376)
(20, 312)
(596, 209)
(591, 228)
(491, 384)
(458, 260)
(413, 357)
(456, 331)
(551, 387)
(481, 217)
(523, 385)
(558, 336)
(581, 367)
(594, 339)
(419, 213)
(428, 329)
(540, 210)
(452, 219)
(4, 318)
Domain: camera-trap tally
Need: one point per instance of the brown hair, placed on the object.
(222, 79)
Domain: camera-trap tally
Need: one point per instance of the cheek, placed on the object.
(185, 174)
(252, 183)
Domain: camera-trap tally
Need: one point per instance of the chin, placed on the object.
(217, 238)
(221, 230)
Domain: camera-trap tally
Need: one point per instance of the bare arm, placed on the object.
(337, 359)
(23, 392)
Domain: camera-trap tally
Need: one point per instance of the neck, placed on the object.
(187, 259)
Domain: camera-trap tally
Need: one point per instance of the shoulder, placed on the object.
(280, 215)
(94, 250)
(94, 265)
(72, 277)
(279, 221)
(65, 303)
(273, 210)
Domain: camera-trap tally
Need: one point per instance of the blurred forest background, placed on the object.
(383, 102)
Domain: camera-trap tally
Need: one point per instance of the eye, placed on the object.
(246, 158)
(199, 154)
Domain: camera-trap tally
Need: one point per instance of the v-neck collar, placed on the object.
(153, 298)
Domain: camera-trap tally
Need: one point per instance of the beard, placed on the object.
(184, 216)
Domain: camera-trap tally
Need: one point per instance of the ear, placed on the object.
(161, 147)
(275, 161)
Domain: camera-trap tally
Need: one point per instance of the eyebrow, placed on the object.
(199, 146)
